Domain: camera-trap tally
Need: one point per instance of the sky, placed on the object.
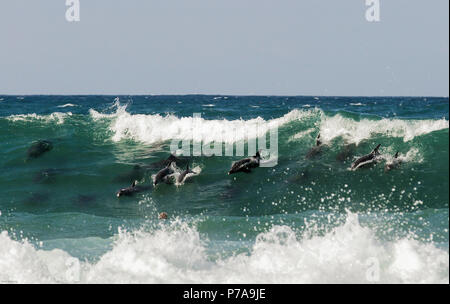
(228, 47)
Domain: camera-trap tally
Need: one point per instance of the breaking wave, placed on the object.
(176, 253)
(356, 131)
(158, 128)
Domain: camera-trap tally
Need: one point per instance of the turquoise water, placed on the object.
(304, 220)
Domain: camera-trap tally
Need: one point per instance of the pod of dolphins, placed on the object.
(246, 165)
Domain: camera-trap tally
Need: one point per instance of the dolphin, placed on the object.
(366, 159)
(181, 178)
(316, 150)
(38, 148)
(246, 164)
(229, 192)
(394, 164)
(346, 152)
(166, 162)
(163, 174)
(132, 190)
(137, 173)
(37, 198)
(299, 177)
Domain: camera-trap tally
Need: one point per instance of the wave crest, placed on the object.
(356, 131)
(57, 117)
(158, 128)
(154, 128)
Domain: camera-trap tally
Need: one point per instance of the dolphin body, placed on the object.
(163, 174)
(299, 177)
(137, 173)
(132, 190)
(366, 159)
(346, 152)
(37, 198)
(181, 178)
(246, 164)
(394, 164)
(166, 162)
(316, 150)
(38, 148)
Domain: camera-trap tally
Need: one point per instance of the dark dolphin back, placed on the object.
(38, 148)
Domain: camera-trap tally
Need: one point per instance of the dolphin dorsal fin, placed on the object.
(133, 184)
(172, 157)
(376, 149)
(396, 155)
(318, 142)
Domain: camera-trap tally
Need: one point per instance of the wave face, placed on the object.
(307, 220)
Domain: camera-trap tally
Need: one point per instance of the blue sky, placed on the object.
(235, 47)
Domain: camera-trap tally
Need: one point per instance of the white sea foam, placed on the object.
(57, 117)
(356, 131)
(67, 105)
(301, 134)
(176, 253)
(412, 155)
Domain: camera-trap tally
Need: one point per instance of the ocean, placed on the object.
(309, 219)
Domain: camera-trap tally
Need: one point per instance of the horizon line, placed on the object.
(236, 95)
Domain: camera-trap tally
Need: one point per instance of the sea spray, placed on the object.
(177, 253)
